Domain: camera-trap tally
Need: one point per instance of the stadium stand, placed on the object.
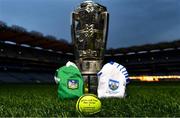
(28, 77)
(154, 59)
(6, 78)
(30, 57)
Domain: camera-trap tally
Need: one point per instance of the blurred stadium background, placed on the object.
(31, 57)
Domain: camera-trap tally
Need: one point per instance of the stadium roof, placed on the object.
(163, 46)
(19, 36)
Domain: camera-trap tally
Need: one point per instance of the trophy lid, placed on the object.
(86, 4)
(88, 1)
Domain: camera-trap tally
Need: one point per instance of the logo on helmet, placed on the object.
(113, 84)
(73, 84)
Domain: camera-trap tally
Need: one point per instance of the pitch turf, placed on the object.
(144, 99)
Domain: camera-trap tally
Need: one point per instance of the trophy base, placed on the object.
(90, 83)
(89, 66)
(89, 69)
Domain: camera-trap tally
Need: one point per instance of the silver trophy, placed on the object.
(89, 35)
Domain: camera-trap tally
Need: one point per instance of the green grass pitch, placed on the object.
(144, 99)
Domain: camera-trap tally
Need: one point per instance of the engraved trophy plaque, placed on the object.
(89, 36)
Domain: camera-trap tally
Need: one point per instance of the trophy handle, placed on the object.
(73, 27)
(106, 27)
